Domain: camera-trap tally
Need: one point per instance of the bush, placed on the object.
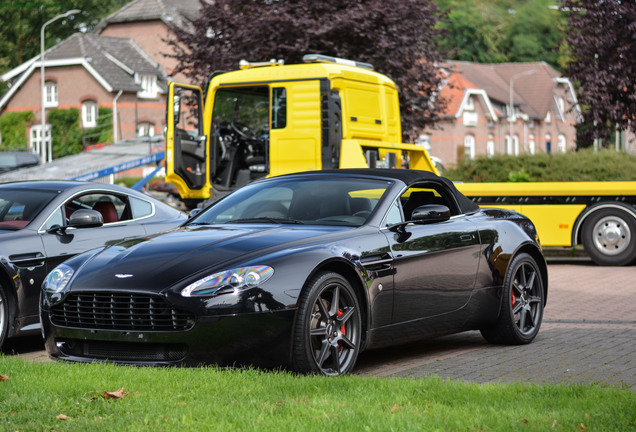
(13, 126)
(67, 134)
(583, 165)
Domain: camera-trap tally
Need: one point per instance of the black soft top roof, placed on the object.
(409, 177)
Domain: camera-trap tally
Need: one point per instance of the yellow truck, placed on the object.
(267, 119)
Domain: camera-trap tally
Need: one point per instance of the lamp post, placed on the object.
(41, 148)
(512, 118)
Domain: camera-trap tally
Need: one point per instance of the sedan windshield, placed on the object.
(18, 207)
(313, 200)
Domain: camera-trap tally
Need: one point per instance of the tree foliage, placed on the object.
(13, 127)
(601, 36)
(497, 31)
(23, 19)
(397, 37)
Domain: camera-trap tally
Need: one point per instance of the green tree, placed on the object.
(399, 38)
(534, 33)
(473, 30)
(23, 19)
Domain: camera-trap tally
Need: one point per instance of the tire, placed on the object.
(522, 304)
(609, 237)
(327, 331)
(4, 315)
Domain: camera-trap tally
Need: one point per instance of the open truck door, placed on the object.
(186, 143)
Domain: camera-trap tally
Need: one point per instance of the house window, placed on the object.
(36, 136)
(50, 94)
(548, 117)
(148, 85)
(490, 145)
(470, 105)
(89, 114)
(548, 143)
(531, 144)
(469, 146)
(470, 118)
(145, 129)
(561, 143)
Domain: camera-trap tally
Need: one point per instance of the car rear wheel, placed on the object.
(4, 315)
(522, 304)
(327, 331)
(609, 237)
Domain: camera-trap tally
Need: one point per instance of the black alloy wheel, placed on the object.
(328, 328)
(522, 304)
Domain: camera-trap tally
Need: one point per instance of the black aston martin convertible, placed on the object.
(303, 271)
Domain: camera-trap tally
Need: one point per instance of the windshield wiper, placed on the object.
(267, 219)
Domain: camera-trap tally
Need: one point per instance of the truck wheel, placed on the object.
(4, 315)
(609, 237)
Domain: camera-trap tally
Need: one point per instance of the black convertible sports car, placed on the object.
(305, 271)
(39, 228)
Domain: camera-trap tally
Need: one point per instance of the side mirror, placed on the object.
(194, 212)
(85, 218)
(430, 213)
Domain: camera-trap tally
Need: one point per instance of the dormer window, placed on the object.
(470, 105)
(50, 94)
(148, 84)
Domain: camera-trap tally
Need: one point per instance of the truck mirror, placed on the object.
(177, 107)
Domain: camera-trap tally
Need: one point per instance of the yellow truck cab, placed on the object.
(268, 119)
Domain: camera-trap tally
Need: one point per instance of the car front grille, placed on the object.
(122, 351)
(119, 311)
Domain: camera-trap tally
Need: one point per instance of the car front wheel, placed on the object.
(4, 315)
(327, 331)
(522, 304)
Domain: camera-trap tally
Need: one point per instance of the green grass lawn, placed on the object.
(55, 396)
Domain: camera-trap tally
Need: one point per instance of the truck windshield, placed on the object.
(240, 135)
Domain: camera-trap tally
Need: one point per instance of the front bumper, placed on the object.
(260, 339)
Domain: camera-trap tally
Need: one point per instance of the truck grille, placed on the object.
(120, 311)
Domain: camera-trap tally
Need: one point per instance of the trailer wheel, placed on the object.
(609, 237)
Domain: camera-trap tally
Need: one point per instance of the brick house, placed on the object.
(121, 66)
(478, 119)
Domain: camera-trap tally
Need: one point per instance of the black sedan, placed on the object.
(40, 225)
(303, 271)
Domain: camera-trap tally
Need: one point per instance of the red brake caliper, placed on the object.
(514, 299)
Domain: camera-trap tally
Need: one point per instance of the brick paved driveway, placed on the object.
(588, 335)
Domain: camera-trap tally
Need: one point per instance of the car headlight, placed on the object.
(57, 279)
(236, 279)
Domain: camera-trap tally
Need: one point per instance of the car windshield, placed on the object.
(314, 200)
(18, 207)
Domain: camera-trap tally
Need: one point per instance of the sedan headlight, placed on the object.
(236, 279)
(57, 279)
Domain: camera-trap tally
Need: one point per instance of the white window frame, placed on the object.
(561, 143)
(490, 145)
(470, 118)
(50, 94)
(532, 147)
(469, 146)
(148, 84)
(35, 136)
(144, 127)
(89, 114)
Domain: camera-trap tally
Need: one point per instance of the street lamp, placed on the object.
(41, 149)
(512, 117)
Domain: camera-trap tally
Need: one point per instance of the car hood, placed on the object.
(158, 262)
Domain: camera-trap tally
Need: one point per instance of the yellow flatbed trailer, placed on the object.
(599, 215)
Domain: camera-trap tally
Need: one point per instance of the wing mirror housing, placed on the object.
(430, 213)
(85, 218)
